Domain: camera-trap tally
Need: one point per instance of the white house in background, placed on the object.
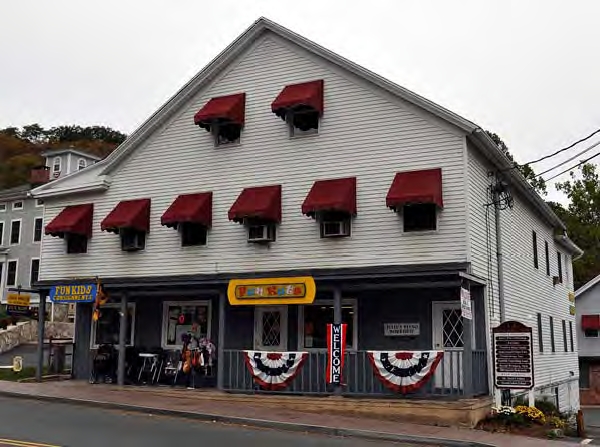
(588, 338)
(382, 196)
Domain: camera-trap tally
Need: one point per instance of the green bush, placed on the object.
(547, 407)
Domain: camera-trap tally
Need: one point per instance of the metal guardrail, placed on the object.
(448, 380)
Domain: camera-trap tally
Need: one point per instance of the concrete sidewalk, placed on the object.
(259, 411)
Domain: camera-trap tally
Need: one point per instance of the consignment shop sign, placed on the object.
(513, 356)
(77, 293)
(296, 290)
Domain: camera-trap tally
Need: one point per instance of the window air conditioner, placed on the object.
(335, 228)
(260, 233)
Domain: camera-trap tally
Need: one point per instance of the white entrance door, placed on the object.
(448, 336)
(270, 328)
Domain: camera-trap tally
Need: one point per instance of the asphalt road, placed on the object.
(28, 423)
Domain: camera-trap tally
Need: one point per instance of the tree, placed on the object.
(582, 218)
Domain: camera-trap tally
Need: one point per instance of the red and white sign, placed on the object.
(336, 350)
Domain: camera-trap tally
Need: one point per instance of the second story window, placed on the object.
(74, 224)
(81, 164)
(37, 229)
(2, 207)
(1, 233)
(11, 273)
(17, 205)
(224, 117)
(259, 210)
(56, 166)
(35, 271)
(191, 214)
(552, 343)
(15, 232)
(590, 324)
(130, 219)
(535, 250)
(547, 253)
(559, 265)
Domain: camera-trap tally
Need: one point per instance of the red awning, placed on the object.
(74, 219)
(194, 208)
(260, 202)
(331, 195)
(230, 108)
(133, 214)
(308, 94)
(416, 187)
(590, 322)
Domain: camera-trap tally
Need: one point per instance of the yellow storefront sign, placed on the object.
(297, 290)
(571, 297)
(18, 299)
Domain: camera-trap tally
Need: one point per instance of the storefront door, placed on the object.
(448, 336)
(270, 328)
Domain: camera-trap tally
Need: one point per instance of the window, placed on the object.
(547, 258)
(303, 122)
(183, 317)
(261, 232)
(17, 205)
(226, 133)
(35, 271)
(552, 345)
(15, 232)
(39, 203)
(419, 217)
(564, 328)
(1, 272)
(11, 273)
(590, 333)
(56, 166)
(192, 234)
(106, 329)
(313, 321)
(81, 164)
(571, 336)
(1, 233)
(559, 264)
(535, 250)
(37, 229)
(2, 207)
(567, 267)
(540, 333)
(584, 374)
(335, 225)
(76, 243)
(132, 240)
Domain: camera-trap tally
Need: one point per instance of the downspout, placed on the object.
(499, 259)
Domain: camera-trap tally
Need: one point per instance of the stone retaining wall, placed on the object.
(26, 332)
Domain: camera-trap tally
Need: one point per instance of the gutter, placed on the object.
(564, 241)
(99, 186)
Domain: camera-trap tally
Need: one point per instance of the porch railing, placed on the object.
(449, 379)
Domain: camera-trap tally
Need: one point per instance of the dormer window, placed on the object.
(81, 164)
(130, 219)
(417, 197)
(56, 164)
(301, 106)
(259, 209)
(333, 204)
(74, 224)
(191, 215)
(223, 117)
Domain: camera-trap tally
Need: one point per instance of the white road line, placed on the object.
(586, 441)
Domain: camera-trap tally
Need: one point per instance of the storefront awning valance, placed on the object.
(307, 94)
(424, 186)
(134, 214)
(223, 109)
(192, 208)
(261, 202)
(337, 195)
(590, 322)
(74, 219)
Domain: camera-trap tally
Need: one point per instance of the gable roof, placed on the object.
(70, 150)
(476, 134)
(587, 286)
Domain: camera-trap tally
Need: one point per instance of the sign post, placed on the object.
(336, 350)
(513, 356)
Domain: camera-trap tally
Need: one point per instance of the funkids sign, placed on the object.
(336, 347)
(78, 293)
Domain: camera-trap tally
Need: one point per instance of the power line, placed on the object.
(572, 167)
(564, 148)
(570, 159)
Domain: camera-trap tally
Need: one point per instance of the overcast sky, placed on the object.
(527, 70)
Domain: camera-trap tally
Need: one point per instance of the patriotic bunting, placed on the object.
(404, 371)
(274, 370)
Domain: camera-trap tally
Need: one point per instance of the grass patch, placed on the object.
(25, 373)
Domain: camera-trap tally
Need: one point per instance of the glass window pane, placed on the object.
(316, 319)
(107, 326)
(183, 319)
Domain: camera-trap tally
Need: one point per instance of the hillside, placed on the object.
(20, 148)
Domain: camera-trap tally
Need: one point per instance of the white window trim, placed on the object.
(79, 164)
(8, 261)
(38, 204)
(3, 207)
(326, 302)
(18, 209)
(31, 269)
(165, 317)
(2, 230)
(420, 232)
(20, 231)
(54, 164)
(93, 344)
(42, 234)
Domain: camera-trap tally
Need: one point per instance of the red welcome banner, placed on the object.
(336, 350)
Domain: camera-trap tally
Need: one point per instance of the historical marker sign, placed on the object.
(513, 356)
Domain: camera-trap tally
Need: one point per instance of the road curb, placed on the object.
(257, 423)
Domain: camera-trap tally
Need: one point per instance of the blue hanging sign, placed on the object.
(77, 293)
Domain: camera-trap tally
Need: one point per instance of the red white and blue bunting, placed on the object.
(404, 371)
(274, 370)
